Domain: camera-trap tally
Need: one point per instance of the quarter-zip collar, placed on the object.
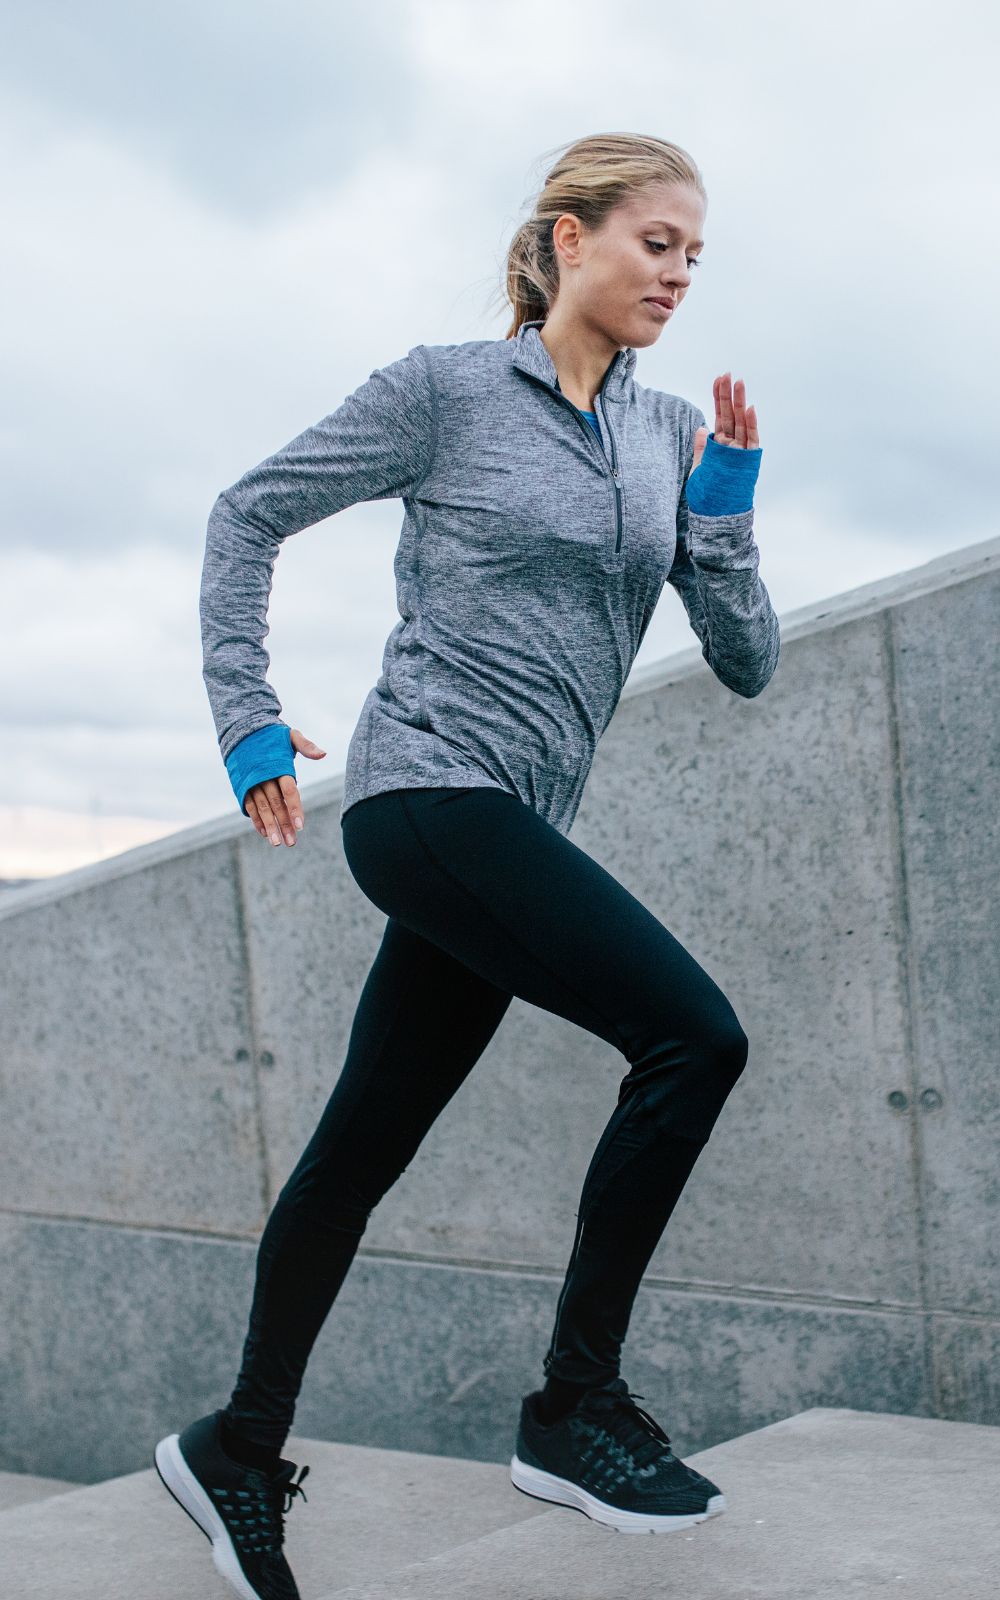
(530, 355)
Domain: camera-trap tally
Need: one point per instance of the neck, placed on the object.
(581, 356)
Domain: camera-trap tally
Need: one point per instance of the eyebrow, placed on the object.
(696, 244)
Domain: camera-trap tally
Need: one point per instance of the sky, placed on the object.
(221, 217)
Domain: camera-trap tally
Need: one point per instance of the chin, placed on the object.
(646, 336)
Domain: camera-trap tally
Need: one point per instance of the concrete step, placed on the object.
(21, 1488)
(830, 1504)
(367, 1512)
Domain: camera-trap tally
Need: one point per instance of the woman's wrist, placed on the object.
(722, 483)
(266, 753)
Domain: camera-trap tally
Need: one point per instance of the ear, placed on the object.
(700, 440)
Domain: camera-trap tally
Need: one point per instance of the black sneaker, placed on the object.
(239, 1508)
(609, 1459)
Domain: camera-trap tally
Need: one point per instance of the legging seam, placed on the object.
(491, 915)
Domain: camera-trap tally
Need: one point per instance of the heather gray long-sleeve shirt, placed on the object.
(529, 563)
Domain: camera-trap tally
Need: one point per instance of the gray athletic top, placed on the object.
(530, 560)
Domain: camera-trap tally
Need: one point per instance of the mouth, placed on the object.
(665, 306)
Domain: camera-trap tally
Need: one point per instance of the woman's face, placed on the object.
(643, 250)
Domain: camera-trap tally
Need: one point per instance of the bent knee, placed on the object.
(721, 1047)
(730, 1045)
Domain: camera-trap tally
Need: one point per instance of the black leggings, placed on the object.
(486, 900)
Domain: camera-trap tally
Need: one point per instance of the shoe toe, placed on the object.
(703, 1484)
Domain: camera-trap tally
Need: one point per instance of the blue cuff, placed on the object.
(267, 753)
(722, 483)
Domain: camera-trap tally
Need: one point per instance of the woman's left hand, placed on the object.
(735, 421)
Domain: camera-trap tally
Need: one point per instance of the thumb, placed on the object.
(306, 746)
(700, 441)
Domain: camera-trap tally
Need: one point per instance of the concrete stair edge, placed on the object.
(408, 1525)
(25, 1488)
(578, 1556)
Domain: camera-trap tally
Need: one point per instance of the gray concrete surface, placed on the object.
(366, 1512)
(22, 1488)
(832, 1504)
(172, 1021)
(828, 1505)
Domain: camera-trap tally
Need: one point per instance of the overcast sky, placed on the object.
(219, 217)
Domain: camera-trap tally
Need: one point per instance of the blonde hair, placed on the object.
(592, 176)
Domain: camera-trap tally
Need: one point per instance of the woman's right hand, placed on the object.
(275, 806)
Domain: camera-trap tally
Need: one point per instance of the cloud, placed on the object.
(222, 218)
(236, 102)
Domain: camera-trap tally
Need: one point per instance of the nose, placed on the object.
(676, 282)
(676, 270)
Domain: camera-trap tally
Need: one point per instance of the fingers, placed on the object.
(740, 408)
(275, 809)
(304, 746)
(724, 419)
(735, 421)
(698, 447)
(275, 806)
(753, 439)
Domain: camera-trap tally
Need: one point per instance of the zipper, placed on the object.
(550, 1354)
(612, 469)
(615, 471)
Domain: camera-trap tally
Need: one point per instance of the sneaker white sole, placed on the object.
(546, 1486)
(177, 1476)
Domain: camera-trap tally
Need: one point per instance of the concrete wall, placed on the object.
(173, 1021)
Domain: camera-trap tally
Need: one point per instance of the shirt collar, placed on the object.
(530, 355)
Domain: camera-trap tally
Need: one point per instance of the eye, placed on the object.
(659, 245)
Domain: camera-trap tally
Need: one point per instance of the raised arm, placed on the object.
(715, 573)
(377, 445)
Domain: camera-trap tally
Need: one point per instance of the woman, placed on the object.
(548, 497)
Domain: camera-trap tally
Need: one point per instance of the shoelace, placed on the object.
(284, 1484)
(640, 1433)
